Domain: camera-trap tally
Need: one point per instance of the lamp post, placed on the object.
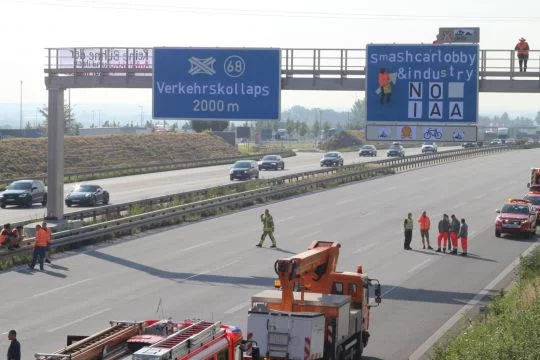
(142, 123)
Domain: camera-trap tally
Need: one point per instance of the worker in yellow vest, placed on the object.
(408, 225)
(268, 228)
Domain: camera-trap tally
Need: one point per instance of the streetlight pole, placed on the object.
(142, 124)
(20, 109)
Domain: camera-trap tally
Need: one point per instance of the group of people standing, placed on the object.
(450, 230)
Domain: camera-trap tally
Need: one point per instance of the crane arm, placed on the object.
(309, 266)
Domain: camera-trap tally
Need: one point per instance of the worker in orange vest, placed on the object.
(385, 85)
(40, 247)
(425, 225)
(48, 233)
(522, 49)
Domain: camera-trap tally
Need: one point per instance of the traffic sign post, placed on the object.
(216, 83)
(422, 84)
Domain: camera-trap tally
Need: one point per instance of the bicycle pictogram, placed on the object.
(432, 133)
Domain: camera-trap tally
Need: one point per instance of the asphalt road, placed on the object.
(210, 269)
(137, 187)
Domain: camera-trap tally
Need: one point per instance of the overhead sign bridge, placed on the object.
(287, 69)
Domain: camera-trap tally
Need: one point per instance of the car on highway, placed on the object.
(469, 144)
(517, 216)
(534, 198)
(244, 170)
(368, 150)
(24, 192)
(429, 147)
(332, 158)
(396, 151)
(87, 194)
(274, 162)
(510, 141)
(496, 142)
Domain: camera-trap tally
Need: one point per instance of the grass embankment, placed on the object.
(28, 157)
(511, 329)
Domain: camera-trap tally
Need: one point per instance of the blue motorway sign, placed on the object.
(216, 83)
(422, 83)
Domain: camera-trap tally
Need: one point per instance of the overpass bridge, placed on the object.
(302, 69)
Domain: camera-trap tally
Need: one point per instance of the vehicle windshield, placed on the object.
(86, 188)
(515, 209)
(331, 155)
(242, 165)
(395, 147)
(428, 143)
(20, 185)
(535, 200)
(368, 147)
(270, 158)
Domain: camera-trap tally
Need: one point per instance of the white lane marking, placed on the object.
(286, 219)
(458, 205)
(343, 202)
(364, 248)
(62, 287)
(428, 344)
(238, 307)
(471, 234)
(4, 333)
(388, 291)
(79, 320)
(478, 197)
(310, 234)
(209, 270)
(197, 246)
(419, 266)
(390, 188)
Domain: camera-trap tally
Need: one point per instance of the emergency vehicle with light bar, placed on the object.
(517, 216)
(157, 340)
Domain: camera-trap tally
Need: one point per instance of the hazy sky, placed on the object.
(29, 26)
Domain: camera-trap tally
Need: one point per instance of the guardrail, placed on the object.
(275, 187)
(92, 172)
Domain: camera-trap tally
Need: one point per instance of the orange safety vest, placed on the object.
(384, 79)
(522, 48)
(41, 238)
(48, 234)
(425, 223)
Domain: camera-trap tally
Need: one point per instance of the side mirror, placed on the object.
(497, 211)
(34, 188)
(528, 185)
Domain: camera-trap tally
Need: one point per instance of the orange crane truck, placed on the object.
(156, 339)
(316, 312)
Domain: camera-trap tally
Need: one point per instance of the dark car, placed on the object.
(518, 216)
(396, 151)
(469, 145)
(368, 150)
(274, 162)
(87, 194)
(244, 170)
(333, 158)
(24, 192)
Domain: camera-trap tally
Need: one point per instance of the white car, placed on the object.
(429, 147)
(510, 141)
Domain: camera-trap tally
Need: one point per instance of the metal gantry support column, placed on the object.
(55, 164)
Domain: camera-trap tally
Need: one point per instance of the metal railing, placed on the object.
(350, 63)
(275, 187)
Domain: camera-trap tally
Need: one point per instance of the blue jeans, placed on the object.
(39, 253)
